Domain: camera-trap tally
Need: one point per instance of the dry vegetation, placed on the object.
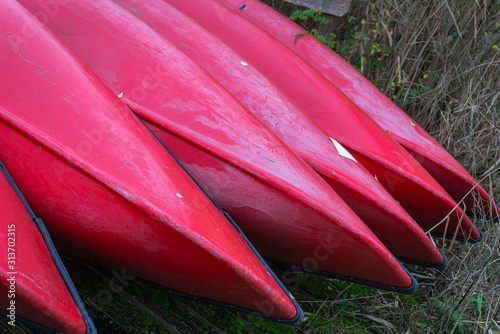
(440, 61)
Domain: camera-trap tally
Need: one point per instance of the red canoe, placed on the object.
(106, 189)
(408, 182)
(34, 285)
(284, 207)
(369, 200)
(436, 160)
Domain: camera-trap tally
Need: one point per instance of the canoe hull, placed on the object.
(425, 149)
(288, 239)
(370, 201)
(53, 302)
(107, 189)
(339, 117)
(188, 105)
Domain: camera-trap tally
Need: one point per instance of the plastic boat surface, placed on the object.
(34, 285)
(369, 200)
(106, 189)
(409, 183)
(287, 211)
(425, 149)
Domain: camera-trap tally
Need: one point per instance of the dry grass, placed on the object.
(440, 61)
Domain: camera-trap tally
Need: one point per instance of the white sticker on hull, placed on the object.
(342, 151)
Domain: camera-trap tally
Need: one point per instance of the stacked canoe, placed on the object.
(35, 287)
(318, 170)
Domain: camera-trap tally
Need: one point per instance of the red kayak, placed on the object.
(34, 286)
(107, 190)
(284, 207)
(409, 183)
(369, 200)
(425, 149)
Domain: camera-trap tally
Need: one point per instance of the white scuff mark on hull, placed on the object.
(342, 151)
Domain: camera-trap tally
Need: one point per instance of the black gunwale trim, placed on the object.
(409, 290)
(57, 261)
(299, 318)
(439, 266)
(293, 322)
(469, 240)
(300, 313)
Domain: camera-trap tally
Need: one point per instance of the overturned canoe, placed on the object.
(409, 183)
(34, 286)
(106, 189)
(284, 207)
(369, 200)
(425, 149)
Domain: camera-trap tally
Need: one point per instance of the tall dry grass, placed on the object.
(440, 62)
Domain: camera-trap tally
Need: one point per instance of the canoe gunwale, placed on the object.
(463, 239)
(57, 261)
(299, 318)
(409, 290)
(438, 266)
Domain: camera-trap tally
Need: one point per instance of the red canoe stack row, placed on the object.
(317, 168)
